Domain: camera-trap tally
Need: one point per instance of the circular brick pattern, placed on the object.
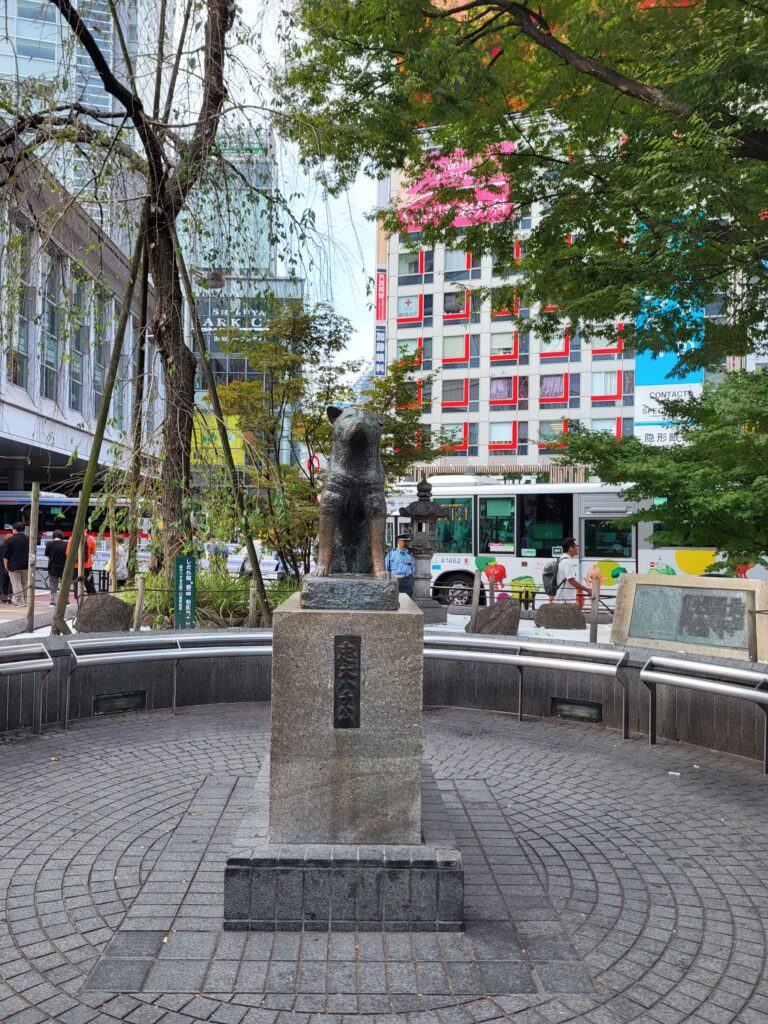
(640, 871)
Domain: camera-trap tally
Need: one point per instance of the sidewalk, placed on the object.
(13, 619)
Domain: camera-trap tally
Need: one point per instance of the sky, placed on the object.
(347, 238)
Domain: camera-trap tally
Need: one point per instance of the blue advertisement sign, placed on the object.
(380, 358)
(656, 378)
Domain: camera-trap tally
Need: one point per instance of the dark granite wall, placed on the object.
(721, 723)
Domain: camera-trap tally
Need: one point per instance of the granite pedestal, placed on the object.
(346, 725)
(341, 841)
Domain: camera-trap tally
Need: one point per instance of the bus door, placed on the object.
(611, 546)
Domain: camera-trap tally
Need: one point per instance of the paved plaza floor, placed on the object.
(606, 882)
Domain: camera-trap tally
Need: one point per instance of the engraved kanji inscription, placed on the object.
(346, 682)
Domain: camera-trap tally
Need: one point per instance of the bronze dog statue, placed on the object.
(353, 492)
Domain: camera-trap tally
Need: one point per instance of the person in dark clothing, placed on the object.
(5, 579)
(56, 553)
(16, 560)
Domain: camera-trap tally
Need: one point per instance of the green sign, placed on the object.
(184, 592)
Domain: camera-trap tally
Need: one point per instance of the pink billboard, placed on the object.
(487, 191)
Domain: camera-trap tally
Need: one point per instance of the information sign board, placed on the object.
(185, 594)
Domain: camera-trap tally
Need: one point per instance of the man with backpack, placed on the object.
(560, 577)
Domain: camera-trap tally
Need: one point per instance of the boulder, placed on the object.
(560, 615)
(104, 613)
(501, 618)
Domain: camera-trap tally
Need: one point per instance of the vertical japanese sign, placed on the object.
(380, 365)
(185, 595)
(381, 295)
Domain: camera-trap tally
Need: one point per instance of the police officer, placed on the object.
(400, 564)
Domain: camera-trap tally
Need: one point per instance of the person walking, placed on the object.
(16, 560)
(56, 553)
(89, 542)
(400, 564)
(568, 586)
(6, 591)
(121, 563)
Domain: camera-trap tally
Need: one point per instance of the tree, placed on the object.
(281, 420)
(641, 127)
(403, 397)
(711, 488)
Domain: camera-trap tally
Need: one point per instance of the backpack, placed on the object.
(549, 577)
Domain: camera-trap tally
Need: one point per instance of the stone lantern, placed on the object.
(424, 514)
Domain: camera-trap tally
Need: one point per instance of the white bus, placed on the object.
(522, 527)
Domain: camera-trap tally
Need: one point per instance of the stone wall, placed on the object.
(722, 723)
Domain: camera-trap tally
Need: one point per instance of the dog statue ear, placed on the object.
(333, 412)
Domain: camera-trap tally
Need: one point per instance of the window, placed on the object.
(628, 386)
(408, 264)
(552, 386)
(555, 346)
(627, 427)
(455, 346)
(454, 435)
(497, 524)
(454, 392)
(407, 347)
(416, 267)
(456, 304)
(607, 426)
(409, 307)
(78, 345)
(544, 521)
(18, 355)
(605, 384)
(505, 344)
(473, 430)
(456, 264)
(550, 431)
(53, 303)
(526, 220)
(454, 533)
(502, 389)
(604, 539)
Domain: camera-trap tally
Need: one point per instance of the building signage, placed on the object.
(380, 362)
(184, 592)
(655, 378)
(381, 295)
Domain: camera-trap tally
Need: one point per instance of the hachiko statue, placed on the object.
(353, 493)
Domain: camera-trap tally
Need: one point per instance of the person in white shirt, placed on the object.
(568, 586)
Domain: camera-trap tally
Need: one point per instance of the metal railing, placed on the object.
(24, 658)
(139, 647)
(742, 683)
(524, 654)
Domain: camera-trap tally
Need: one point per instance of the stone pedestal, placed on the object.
(346, 725)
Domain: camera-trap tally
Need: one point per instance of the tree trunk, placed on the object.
(179, 369)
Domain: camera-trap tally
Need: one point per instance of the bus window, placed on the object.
(497, 525)
(603, 539)
(454, 534)
(544, 521)
(389, 538)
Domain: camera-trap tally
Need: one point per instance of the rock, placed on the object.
(501, 618)
(104, 613)
(350, 593)
(560, 615)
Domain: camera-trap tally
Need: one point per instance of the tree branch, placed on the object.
(221, 16)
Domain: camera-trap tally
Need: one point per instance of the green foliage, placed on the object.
(642, 128)
(405, 439)
(715, 483)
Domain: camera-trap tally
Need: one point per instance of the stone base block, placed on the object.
(345, 888)
(350, 592)
(342, 887)
(560, 615)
